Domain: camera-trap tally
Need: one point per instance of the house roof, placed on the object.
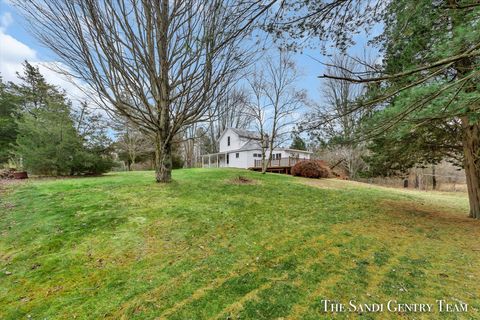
(254, 145)
(251, 135)
(246, 133)
(251, 145)
(296, 150)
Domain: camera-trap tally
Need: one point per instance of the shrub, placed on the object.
(311, 169)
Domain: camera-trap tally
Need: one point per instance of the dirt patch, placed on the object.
(330, 183)
(427, 213)
(242, 180)
(7, 183)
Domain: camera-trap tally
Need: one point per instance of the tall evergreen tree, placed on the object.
(9, 111)
(433, 109)
(430, 71)
(49, 140)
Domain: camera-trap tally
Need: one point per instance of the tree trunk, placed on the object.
(471, 149)
(163, 139)
(264, 162)
(163, 160)
(434, 178)
(264, 154)
(470, 131)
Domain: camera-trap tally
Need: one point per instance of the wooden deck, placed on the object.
(281, 165)
(284, 170)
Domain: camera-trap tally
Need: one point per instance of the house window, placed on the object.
(228, 141)
(277, 156)
(228, 158)
(257, 155)
(237, 155)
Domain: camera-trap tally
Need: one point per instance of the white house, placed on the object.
(242, 149)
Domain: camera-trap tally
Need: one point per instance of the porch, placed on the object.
(214, 160)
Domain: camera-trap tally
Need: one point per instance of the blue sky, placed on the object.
(17, 44)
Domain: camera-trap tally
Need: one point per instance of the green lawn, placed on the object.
(205, 247)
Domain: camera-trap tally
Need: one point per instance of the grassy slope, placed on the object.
(121, 246)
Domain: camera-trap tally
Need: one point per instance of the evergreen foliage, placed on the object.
(420, 125)
(48, 138)
(298, 143)
(9, 111)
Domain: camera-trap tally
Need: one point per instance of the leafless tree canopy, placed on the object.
(339, 98)
(228, 111)
(158, 63)
(275, 102)
(339, 125)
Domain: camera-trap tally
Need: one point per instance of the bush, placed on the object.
(91, 161)
(311, 169)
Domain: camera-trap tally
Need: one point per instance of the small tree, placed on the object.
(91, 126)
(47, 141)
(132, 143)
(297, 142)
(275, 103)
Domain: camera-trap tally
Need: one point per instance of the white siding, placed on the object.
(294, 154)
(251, 159)
(245, 158)
(235, 142)
(288, 153)
(240, 162)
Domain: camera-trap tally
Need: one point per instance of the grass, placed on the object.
(209, 247)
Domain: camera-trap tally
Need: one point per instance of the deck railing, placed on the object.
(280, 162)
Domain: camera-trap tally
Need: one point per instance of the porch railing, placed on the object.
(280, 162)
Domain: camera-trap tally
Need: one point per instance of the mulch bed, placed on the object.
(242, 180)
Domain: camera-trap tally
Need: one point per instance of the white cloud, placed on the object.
(5, 20)
(14, 52)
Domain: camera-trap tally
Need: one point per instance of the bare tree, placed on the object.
(339, 97)
(132, 142)
(228, 111)
(158, 63)
(256, 110)
(188, 145)
(276, 103)
(195, 143)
